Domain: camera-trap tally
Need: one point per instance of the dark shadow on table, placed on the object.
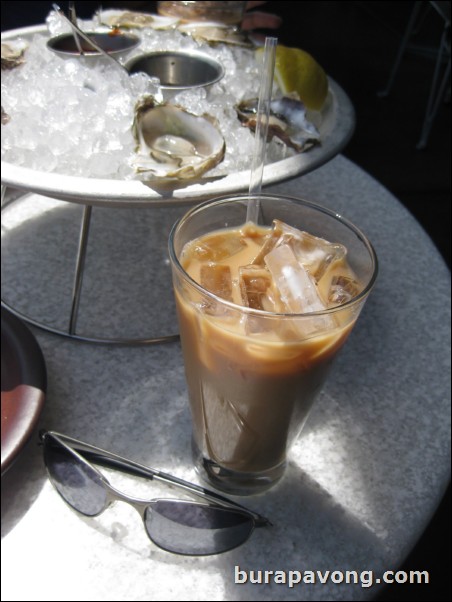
(21, 484)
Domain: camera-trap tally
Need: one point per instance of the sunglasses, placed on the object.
(178, 526)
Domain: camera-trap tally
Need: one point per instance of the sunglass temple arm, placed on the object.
(111, 460)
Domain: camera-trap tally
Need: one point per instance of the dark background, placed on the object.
(356, 43)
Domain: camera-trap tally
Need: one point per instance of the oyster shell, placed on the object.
(135, 20)
(5, 117)
(173, 143)
(13, 53)
(287, 121)
(215, 33)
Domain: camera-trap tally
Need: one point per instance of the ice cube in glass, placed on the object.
(256, 287)
(218, 247)
(342, 289)
(314, 253)
(297, 289)
(217, 279)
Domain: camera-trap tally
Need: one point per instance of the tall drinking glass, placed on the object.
(255, 359)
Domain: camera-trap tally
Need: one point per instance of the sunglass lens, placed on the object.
(77, 483)
(196, 529)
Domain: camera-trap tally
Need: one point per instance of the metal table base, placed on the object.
(71, 331)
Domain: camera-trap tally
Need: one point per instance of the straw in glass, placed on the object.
(262, 118)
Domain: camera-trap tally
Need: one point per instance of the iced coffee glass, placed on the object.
(263, 310)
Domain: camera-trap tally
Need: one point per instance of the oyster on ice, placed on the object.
(135, 20)
(5, 117)
(13, 53)
(215, 33)
(287, 121)
(173, 143)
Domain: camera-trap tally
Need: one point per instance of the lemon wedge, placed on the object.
(297, 71)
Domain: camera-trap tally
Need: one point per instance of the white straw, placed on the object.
(262, 118)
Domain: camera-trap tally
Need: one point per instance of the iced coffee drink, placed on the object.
(263, 310)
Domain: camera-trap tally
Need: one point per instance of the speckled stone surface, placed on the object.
(363, 479)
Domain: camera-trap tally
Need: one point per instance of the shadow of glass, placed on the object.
(311, 532)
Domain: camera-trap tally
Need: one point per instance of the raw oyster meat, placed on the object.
(173, 143)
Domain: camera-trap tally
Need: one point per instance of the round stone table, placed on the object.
(364, 478)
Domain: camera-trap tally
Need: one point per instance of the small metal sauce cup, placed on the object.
(115, 44)
(178, 71)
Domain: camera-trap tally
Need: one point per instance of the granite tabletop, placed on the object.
(363, 479)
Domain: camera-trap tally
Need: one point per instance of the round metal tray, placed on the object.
(338, 122)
